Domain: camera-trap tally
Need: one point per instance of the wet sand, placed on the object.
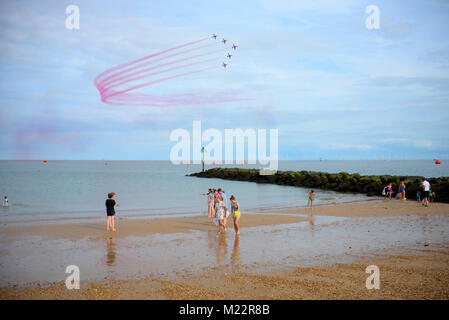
(380, 208)
(423, 275)
(278, 256)
(126, 228)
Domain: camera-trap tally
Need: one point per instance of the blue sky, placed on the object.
(311, 69)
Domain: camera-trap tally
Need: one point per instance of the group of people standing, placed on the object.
(425, 197)
(217, 206)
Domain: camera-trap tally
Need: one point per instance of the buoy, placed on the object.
(242, 163)
(45, 161)
(188, 163)
(214, 163)
(437, 162)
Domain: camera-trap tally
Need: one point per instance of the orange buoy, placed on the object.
(437, 162)
(242, 163)
(188, 163)
(45, 161)
(214, 163)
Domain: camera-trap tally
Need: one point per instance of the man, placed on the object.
(426, 188)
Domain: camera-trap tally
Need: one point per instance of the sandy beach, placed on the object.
(416, 268)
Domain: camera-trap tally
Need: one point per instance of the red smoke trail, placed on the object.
(155, 73)
(147, 57)
(155, 60)
(121, 76)
(128, 76)
(157, 81)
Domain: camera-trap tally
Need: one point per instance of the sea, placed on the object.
(64, 191)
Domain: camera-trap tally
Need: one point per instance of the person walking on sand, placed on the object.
(235, 213)
(312, 196)
(426, 188)
(110, 211)
(5, 202)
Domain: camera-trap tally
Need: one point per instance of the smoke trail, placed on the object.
(148, 57)
(155, 60)
(130, 73)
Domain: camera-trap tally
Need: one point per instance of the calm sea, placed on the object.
(71, 190)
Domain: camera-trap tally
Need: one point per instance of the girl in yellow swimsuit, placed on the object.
(235, 211)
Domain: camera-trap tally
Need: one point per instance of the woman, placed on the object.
(235, 212)
(221, 214)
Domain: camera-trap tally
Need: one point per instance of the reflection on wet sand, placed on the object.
(110, 252)
(235, 257)
(221, 249)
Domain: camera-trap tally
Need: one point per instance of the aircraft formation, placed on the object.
(224, 42)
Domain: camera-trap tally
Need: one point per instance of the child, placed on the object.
(431, 196)
(401, 192)
(235, 211)
(418, 196)
(5, 202)
(110, 211)
(312, 196)
(221, 214)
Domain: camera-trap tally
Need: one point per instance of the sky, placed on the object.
(333, 88)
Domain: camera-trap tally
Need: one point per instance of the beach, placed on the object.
(293, 253)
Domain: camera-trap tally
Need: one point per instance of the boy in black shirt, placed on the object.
(110, 211)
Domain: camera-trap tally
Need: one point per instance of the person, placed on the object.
(221, 214)
(216, 195)
(312, 196)
(223, 196)
(418, 196)
(431, 195)
(426, 187)
(5, 203)
(210, 202)
(389, 191)
(401, 191)
(110, 211)
(235, 212)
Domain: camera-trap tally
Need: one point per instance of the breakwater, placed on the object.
(341, 182)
